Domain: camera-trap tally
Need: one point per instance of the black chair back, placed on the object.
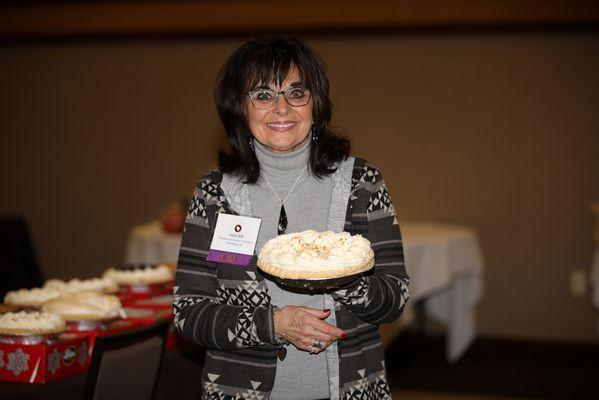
(18, 261)
(125, 365)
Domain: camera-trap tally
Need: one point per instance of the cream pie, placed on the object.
(98, 285)
(85, 306)
(31, 298)
(149, 275)
(33, 323)
(315, 255)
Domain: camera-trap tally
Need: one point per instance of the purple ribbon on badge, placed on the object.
(225, 257)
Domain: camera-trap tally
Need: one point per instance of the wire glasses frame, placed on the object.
(264, 99)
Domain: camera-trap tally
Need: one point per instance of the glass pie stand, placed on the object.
(29, 339)
(314, 284)
(144, 288)
(86, 325)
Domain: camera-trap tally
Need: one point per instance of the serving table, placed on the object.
(179, 378)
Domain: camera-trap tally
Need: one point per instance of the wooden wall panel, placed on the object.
(242, 16)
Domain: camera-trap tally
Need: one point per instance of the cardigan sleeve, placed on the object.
(381, 296)
(201, 312)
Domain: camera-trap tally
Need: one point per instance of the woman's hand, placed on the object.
(305, 329)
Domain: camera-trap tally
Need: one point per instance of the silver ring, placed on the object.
(317, 343)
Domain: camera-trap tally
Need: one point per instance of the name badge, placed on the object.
(234, 239)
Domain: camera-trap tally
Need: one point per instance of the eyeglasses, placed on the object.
(263, 99)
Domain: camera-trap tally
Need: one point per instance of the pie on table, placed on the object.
(32, 323)
(31, 298)
(149, 275)
(312, 255)
(85, 306)
(99, 285)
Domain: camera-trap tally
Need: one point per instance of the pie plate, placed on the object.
(315, 284)
(28, 339)
(144, 287)
(86, 325)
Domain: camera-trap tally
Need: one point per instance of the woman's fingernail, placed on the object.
(343, 336)
(327, 310)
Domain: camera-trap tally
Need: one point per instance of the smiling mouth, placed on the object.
(281, 125)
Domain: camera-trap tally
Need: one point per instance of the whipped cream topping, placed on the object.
(140, 276)
(314, 252)
(34, 297)
(34, 322)
(86, 305)
(100, 285)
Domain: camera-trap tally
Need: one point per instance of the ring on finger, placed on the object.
(316, 343)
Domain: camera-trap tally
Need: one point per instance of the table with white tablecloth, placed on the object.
(149, 244)
(444, 263)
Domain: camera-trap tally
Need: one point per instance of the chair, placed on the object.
(17, 256)
(125, 365)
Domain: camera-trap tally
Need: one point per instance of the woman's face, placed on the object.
(281, 128)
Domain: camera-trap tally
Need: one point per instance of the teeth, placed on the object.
(287, 125)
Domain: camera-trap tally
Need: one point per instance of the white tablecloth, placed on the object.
(148, 243)
(446, 271)
(444, 263)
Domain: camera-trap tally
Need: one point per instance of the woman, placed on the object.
(286, 167)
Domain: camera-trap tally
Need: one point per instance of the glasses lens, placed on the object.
(297, 96)
(262, 98)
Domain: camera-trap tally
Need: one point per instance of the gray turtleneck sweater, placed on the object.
(301, 375)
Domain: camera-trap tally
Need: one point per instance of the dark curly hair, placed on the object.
(270, 60)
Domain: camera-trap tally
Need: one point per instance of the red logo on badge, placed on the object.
(237, 228)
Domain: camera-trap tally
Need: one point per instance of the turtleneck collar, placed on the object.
(290, 161)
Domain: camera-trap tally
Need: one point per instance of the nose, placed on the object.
(281, 105)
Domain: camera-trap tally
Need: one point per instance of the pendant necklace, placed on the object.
(283, 215)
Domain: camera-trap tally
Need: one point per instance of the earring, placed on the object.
(314, 133)
(251, 141)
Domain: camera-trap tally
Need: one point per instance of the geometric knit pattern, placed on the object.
(197, 207)
(213, 194)
(246, 294)
(245, 330)
(367, 174)
(404, 292)
(181, 303)
(216, 391)
(380, 200)
(355, 297)
(371, 387)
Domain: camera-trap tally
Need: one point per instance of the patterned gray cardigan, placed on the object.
(226, 308)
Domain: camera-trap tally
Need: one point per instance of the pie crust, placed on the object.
(315, 275)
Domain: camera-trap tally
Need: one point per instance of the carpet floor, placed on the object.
(494, 367)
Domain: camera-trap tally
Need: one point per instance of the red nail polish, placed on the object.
(343, 336)
(327, 310)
